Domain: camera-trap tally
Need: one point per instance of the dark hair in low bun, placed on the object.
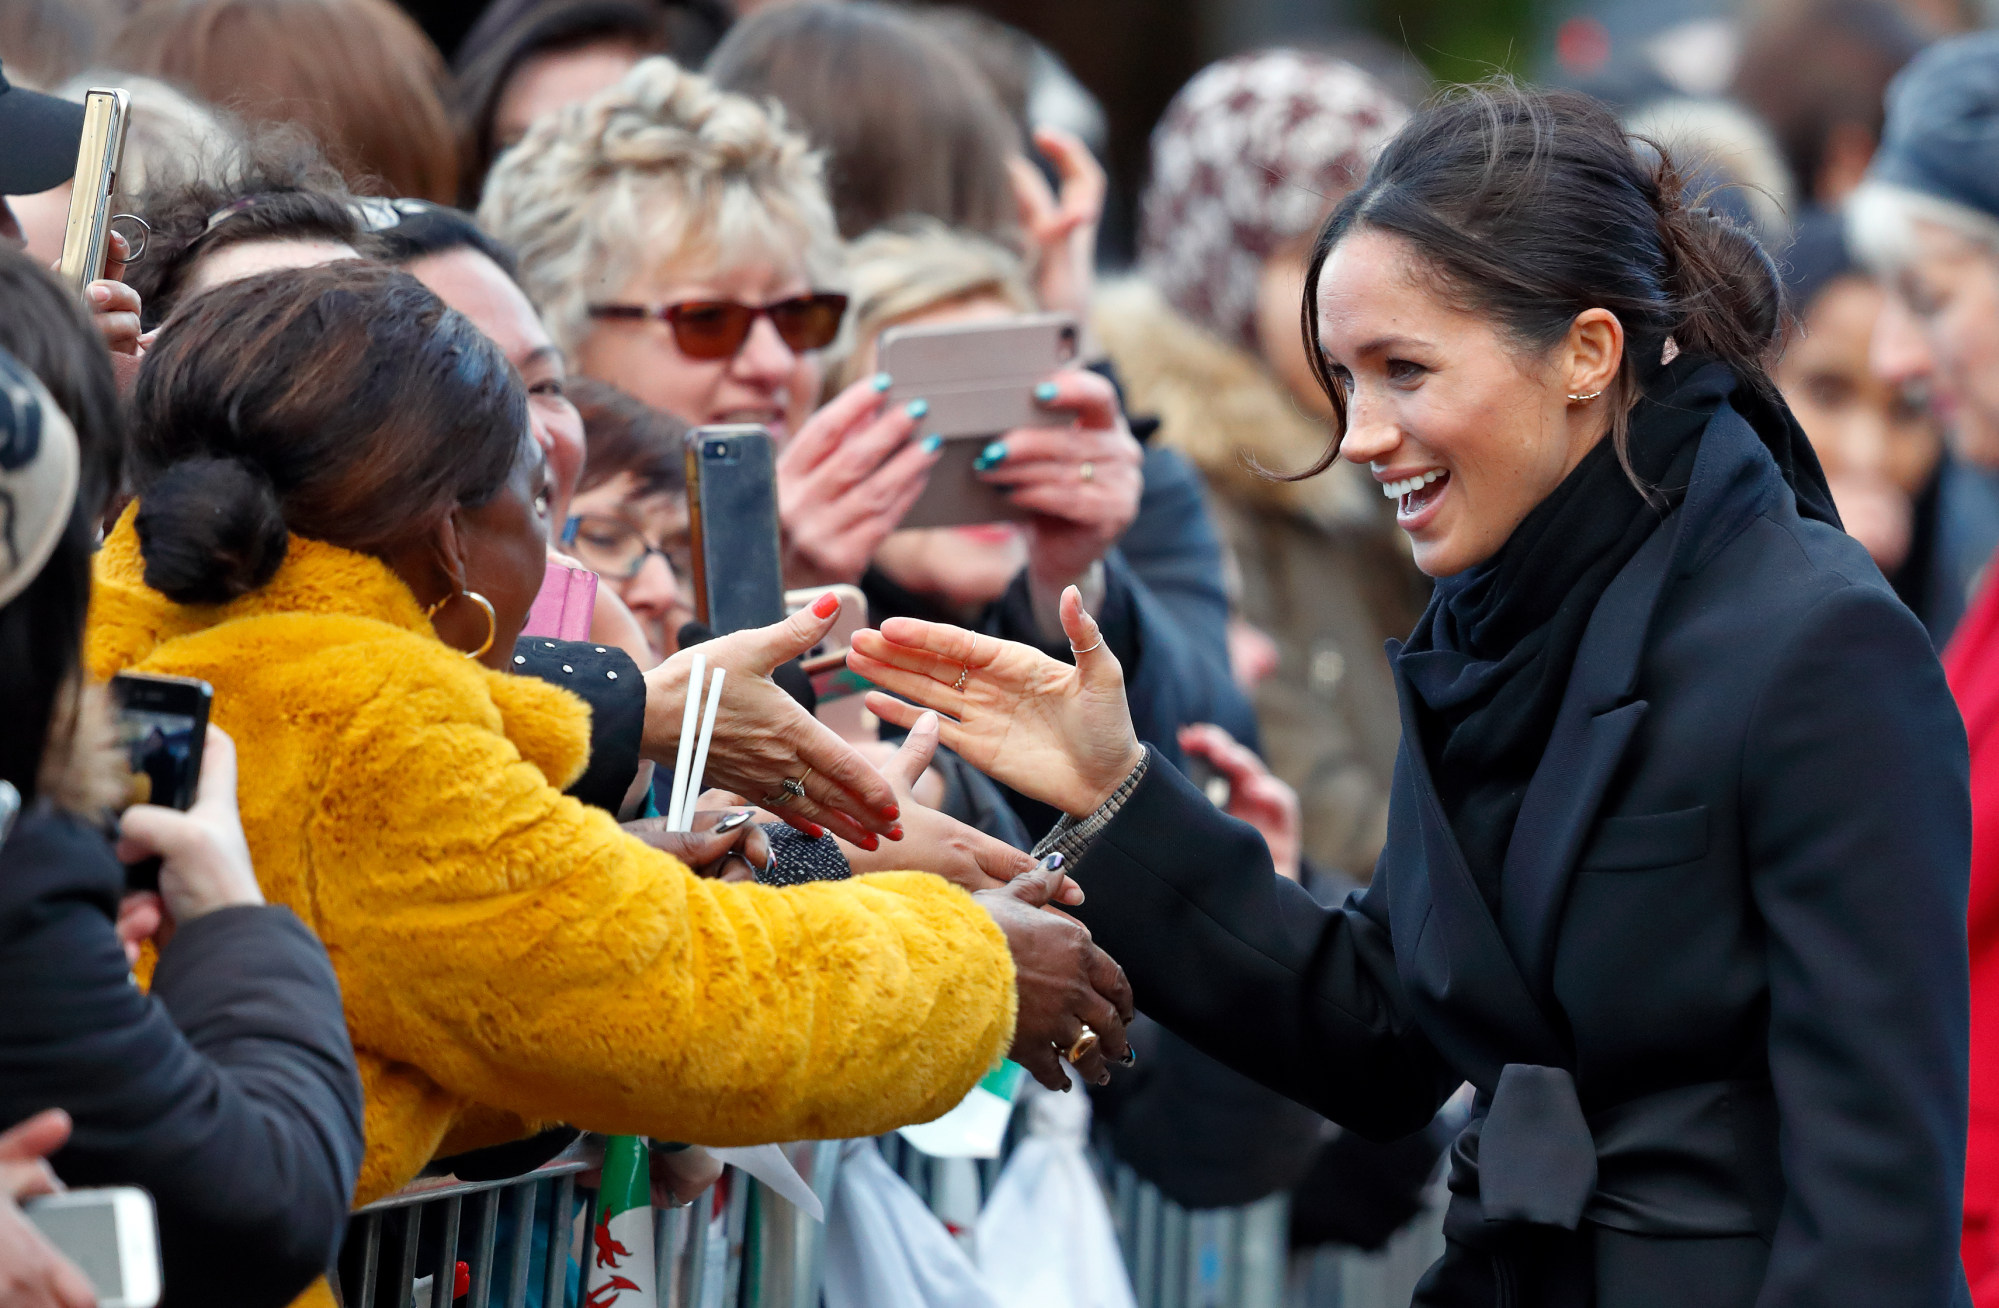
(210, 530)
(1534, 206)
(342, 402)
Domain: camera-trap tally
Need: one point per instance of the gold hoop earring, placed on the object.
(492, 618)
(1584, 399)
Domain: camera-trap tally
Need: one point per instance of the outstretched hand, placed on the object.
(763, 736)
(1055, 733)
(937, 842)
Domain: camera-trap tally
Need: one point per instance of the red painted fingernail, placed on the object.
(814, 830)
(895, 833)
(891, 812)
(826, 605)
(869, 842)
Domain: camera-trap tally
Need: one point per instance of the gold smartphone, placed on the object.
(98, 157)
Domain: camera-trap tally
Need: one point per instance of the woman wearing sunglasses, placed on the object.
(679, 245)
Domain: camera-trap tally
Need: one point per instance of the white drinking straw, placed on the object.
(701, 752)
(688, 720)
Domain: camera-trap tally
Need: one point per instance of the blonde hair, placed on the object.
(660, 167)
(895, 273)
(170, 133)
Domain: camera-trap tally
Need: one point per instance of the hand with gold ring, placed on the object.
(1067, 985)
(1082, 482)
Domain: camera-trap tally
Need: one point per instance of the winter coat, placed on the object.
(511, 958)
(228, 1092)
(1322, 568)
(1716, 1022)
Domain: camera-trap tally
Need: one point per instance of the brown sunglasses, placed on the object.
(716, 329)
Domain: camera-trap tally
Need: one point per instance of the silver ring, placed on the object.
(964, 671)
(1088, 472)
(1086, 649)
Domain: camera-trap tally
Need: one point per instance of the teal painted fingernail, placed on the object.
(882, 381)
(917, 408)
(932, 443)
(991, 456)
(1044, 392)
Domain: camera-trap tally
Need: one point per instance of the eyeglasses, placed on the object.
(614, 548)
(716, 329)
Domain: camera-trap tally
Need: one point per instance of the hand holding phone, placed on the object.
(847, 478)
(203, 857)
(35, 1265)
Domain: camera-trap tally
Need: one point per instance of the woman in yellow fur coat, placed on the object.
(326, 456)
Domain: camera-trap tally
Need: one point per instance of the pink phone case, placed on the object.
(563, 607)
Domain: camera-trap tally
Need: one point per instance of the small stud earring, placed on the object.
(1580, 399)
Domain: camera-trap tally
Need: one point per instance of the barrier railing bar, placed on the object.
(445, 1279)
(699, 1220)
(517, 1270)
(405, 1198)
(405, 1286)
(483, 1252)
(371, 1252)
(559, 1220)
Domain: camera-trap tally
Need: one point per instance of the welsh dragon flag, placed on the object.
(621, 1255)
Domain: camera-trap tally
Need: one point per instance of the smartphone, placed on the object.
(979, 380)
(732, 527)
(161, 724)
(111, 1234)
(88, 232)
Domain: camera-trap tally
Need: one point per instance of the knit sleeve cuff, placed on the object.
(1072, 837)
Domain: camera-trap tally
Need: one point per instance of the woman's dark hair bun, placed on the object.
(1727, 283)
(210, 529)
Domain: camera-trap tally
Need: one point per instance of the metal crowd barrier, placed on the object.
(741, 1245)
(749, 1248)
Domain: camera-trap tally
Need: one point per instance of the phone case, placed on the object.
(978, 379)
(565, 604)
(732, 527)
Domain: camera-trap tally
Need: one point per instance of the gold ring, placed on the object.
(788, 791)
(964, 671)
(1084, 1044)
(1088, 472)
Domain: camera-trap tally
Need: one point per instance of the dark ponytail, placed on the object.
(1534, 206)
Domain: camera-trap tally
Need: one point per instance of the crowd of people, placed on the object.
(1651, 875)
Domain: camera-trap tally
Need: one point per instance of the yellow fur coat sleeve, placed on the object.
(521, 952)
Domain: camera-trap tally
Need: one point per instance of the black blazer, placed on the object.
(1717, 1026)
(229, 1091)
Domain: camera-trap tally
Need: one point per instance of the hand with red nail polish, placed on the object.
(930, 841)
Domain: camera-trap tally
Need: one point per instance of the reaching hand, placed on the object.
(1256, 795)
(1053, 732)
(1082, 482)
(1065, 983)
(204, 859)
(763, 736)
(726, 845)
(844, 482)
(1061, 229)
(32, 1273)
(938, 843)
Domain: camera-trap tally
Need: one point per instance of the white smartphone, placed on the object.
(111, 1234)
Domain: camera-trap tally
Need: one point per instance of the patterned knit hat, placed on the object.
(1252, 154)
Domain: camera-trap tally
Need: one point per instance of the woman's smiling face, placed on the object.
(1461, 427)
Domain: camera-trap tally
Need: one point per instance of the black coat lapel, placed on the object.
(1732, 474)
(1467, 971)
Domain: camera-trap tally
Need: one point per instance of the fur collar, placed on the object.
(134, 626)
(1217, 404)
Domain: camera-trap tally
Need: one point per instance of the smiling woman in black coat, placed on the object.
(1678, 843)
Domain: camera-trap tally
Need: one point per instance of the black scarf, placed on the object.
(1489, 660)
